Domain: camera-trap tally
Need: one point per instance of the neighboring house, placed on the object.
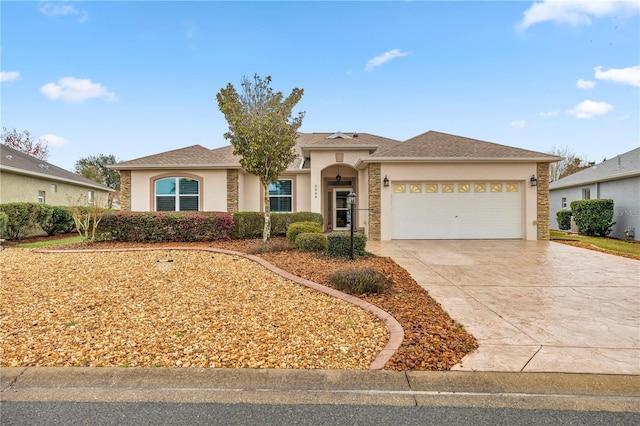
(24, 178)
(617, 179)
(432, 186)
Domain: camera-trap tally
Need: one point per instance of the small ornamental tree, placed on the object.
(22, 142)
(262, 131)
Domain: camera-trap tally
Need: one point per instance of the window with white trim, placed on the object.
(281, 196)
(41, 199)
(564, 202)
(91, 195)
(177, 194)
(586, 193)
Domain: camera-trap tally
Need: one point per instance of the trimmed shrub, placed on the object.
(279, 223)
(152, 227)
(593, 217)
(339, 244)
(247, 224)
(360, 280)
(59, 222)
(311, 241)
(4, 218)
(307, 217)
(564, 219)
(22, 218)
(301, 228)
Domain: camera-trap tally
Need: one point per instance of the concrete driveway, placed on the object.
(534, 306)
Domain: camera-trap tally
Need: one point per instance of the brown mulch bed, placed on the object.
(433, 341)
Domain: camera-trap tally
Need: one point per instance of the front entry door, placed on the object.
(341, 212)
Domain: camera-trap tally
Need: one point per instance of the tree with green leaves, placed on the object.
(96, 168)
(262, 131)
(22, 142)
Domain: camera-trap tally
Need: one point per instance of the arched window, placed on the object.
(177, 194)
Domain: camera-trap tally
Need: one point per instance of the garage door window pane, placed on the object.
(479, 187)
(432, 188)
(464, 187)
(512, 187)
(496, 187)
(415, 188)
(399, 188)
(447, 188)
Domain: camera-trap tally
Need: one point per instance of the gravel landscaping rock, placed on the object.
(173, 309)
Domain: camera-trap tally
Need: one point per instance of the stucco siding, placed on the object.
(21, 188)
(213, 190)
(625, 194)
(442, 172)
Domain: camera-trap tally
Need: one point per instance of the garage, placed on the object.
(457, 210)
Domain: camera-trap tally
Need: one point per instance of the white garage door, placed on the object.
(456, 210)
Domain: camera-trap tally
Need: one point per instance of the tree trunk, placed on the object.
(266, 232)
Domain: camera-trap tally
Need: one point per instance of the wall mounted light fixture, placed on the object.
(385, 181)
(533, 180)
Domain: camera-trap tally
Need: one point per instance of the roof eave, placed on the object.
(55, 178)
(460, 159)
(591, 181)
(174, 166)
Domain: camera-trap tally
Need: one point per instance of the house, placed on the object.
(617, 179)
(432, 186)
(24, 178)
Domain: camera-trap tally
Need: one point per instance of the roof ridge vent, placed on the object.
(8, 157)
(44, 166)
(340, 135)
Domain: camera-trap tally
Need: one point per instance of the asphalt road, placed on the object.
(84, 413)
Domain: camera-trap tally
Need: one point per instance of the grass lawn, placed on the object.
(609, 244)
(45, 243)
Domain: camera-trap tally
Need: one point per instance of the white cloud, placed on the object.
(53, 140)
(553, 113)
(518, 124)
(589, 109)
(575, 12)
(630, 75)
(53, 10)
(385, 57)
(585, 84)
(73, 89)
(9, 75)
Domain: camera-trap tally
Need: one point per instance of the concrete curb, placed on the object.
(577, 392)
(396, 333)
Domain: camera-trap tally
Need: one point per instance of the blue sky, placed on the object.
(138, 78)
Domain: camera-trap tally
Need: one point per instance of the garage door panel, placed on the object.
(472, 210)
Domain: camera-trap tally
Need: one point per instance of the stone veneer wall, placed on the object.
(232, 190)
(374, 202)
(543, 201)
(125, 190)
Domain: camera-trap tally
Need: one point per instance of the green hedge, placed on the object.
(60, 221)
(564, 219)
(167, 226)
(311, 241)
(339, 244)
(302, 228)
(593, 217)
(4, 218)
(251, 224)
(22, 218)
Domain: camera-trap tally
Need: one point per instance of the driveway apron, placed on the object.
(534, 306)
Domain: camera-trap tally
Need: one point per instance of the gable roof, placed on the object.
(429, 146)
(622, 166)
(437, 146)
(12, 160)
(194, 156)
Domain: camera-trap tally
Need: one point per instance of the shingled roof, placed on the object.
(12, 160)
(195, 156)
(436, 146)
(623, 166)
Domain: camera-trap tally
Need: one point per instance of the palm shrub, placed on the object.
(564, 219)
(339, 244)
(311, 241)
(360, 280)
(301, 228)
(593, 217)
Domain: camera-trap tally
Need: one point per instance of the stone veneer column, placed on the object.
(125, 190)
(232, 190)
(374, 202)
(543, 201)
